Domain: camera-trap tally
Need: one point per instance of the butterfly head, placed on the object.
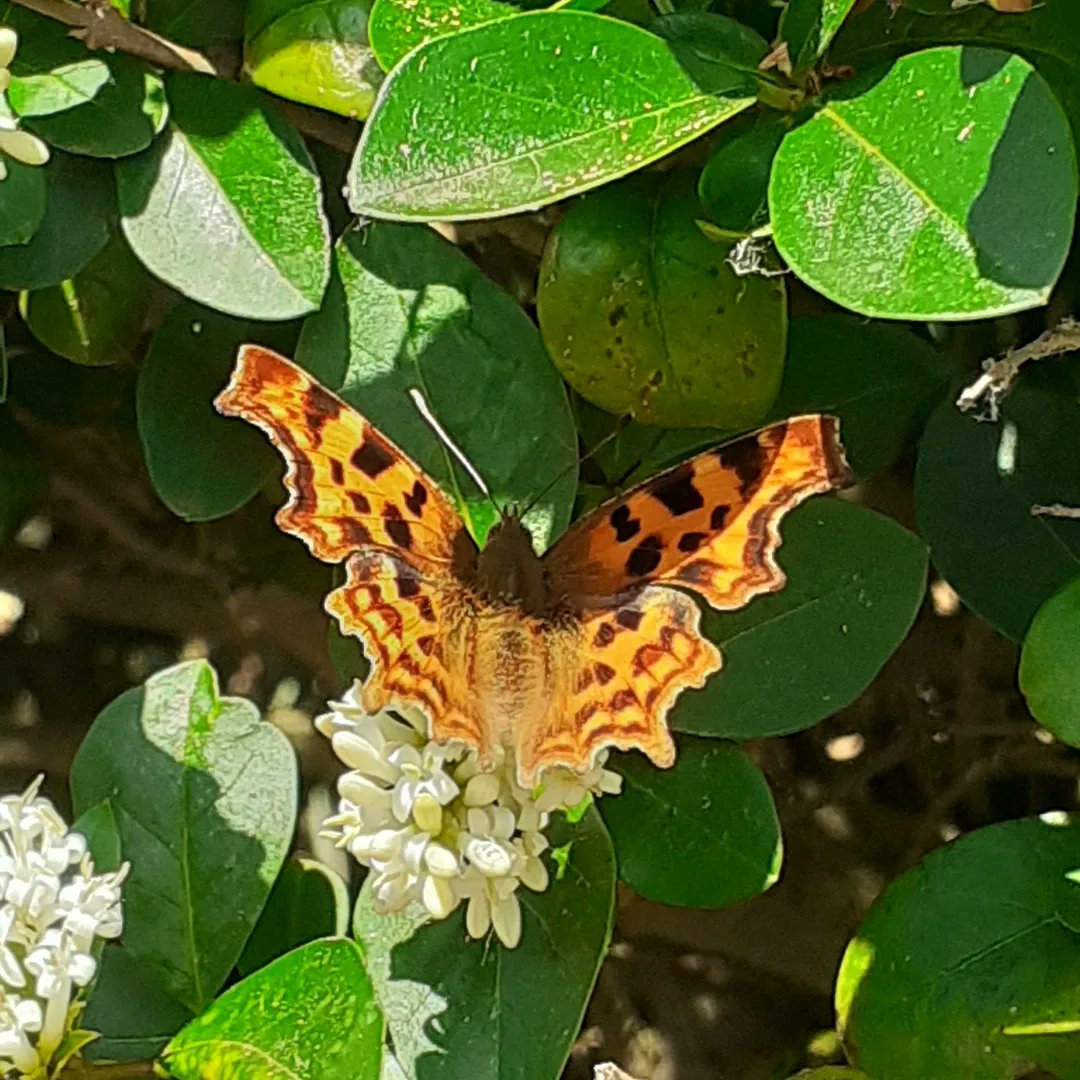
(509, 571)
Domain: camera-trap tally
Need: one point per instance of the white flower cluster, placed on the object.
(20, 145)
(52, 907)
(436, 830)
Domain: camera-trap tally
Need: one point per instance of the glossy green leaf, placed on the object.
(196, 22)
(312, 1013)
(643, 316)
(80, 202)
(315, 52)
(98, 825)
(308, 901)
(703, 833)
(202, 465)
(831, 1072)
(975, 485)
(734, 185)
(226, 207)
(1049, 672)
(807, 27)
(459, 1008)
(521, 112)
(880, 380)
(204, 795)
(964, 952)
(855, 583)
(912, 193)
(398, 26)
(97, 316)
(105, 105)
(407, 309)
(130, 1010)
(882, 32)
(22, 202)
(720, 54)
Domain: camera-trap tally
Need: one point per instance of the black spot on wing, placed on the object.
(604, 673)
(691, 541)
(408, 587)
(605, 635)
(749, 459)
(677, 492)
(628, 618)
(355, 534)
(372, 458)
(337, 472)
(645, 558)
(416, 498)
(359, 502)
(397, 528)
(718, 517)
(320, 409)
(625, 526)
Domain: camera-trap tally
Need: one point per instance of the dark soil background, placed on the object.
(112, 587)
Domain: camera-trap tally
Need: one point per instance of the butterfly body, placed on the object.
(553, 657)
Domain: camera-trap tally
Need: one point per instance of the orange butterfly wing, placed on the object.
(712, 525)
(355, 497)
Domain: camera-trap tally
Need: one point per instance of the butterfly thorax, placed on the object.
(507, 571)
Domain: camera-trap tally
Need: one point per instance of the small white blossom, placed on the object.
(436, 830)
(20, 145)
(52, 908)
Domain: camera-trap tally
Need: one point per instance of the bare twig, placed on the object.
(986, 392)
(120, 1070)
(1057, 510)
(100, 26)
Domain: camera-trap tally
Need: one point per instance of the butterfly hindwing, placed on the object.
(349, 486)
(710, 524)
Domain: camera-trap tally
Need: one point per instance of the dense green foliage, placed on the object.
(916, 165)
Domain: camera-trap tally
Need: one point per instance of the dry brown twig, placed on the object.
(986, 392)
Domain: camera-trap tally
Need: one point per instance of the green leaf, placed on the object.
(643, 316)
(226, 207)
(398, 26)
(703, 833)
(830, 1072)
(1049, 673)
(98, 825)
(202, 465)
(734, 185)
(196, 22)
(855, 583)
(807, 27)
(22, 202)
(522, 112)
(204, 795)
(130, 1009)
(315, 52)
(106, 105)
(406, 309)
(934, 989)
(911, 193)
(975, 485)
(882, 32)
(720, 54)
(459, 1008)
(80, 205)
(880, 380)
(308, 901)
(97, 316)
(312, 1013)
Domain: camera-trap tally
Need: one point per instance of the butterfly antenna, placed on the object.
(577, 465)
(424, 410)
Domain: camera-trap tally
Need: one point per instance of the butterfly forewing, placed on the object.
(710, 524)
(349, 486)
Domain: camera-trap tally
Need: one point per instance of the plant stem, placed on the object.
(117, 1070)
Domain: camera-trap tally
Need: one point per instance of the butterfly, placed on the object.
(554, 657)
